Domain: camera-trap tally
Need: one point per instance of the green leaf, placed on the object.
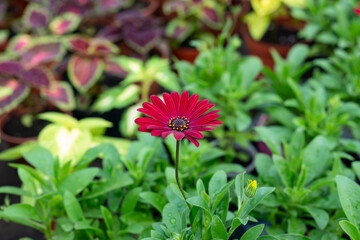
(216, 182)
(356, 167)
(118, 182)
(199, 202)
(16, 152)
(283, 169)
(217, 228)
(14, 191)
(253, 233)
(171, 218)
(108, 218)
(41, 159)
(130, 201)
(296, 225)
(97, 126)
(349, 193)
(350, 229)
(321, 217)
(316, 157)
(261, 193)
(154, 199)
(239, 187)
(22, 210)
(72, 207)
(78, 180)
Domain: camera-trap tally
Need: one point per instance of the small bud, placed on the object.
(250, 190)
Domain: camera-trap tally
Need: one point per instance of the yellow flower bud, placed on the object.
(250, 190)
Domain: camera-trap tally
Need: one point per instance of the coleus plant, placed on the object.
(20, 80)
(139, 32)
(193, 17)
(91, 57)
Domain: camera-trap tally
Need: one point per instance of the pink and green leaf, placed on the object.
(19, 43)
(102, 47)
(38, 77)
(84, 71)
(35, 16)
(79, 43)
(114, 68)
(68, 22)
(61, 95)
(42, 53)
(19, 92)
(111, 33)
(10, 68)
(179, 30)
(212, 18)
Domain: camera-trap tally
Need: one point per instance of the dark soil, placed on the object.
(280, 35)
(15, 128)
(10, 230)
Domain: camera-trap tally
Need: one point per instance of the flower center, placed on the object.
(178, 123)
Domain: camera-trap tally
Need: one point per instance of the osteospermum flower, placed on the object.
(357, 10)
(182, 116)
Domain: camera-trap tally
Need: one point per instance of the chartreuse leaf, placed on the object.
(154, 199)
(217, 228)
(14, 191)
(349, 193)
(17, 151)
(351, 230)
(60, 118)
(253, 233)
(72, 207)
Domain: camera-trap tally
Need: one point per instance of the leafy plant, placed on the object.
(330, 25)
(305, 199)
(207, 211)
(223, 76)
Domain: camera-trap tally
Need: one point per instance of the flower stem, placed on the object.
(177, 172)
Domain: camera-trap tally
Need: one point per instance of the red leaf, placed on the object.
(41, 53)
(79, 44)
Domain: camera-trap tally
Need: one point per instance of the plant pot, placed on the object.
(186, 53)
(262, 49)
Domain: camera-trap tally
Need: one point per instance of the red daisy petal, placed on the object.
(153, 127)
(193, 140)
(194, 133)
(179, 135)
(183, 102)
(191, 104)
(176, 98)
(170, 104)
(165, 134)
(145, 120)
(153, 108)
(160, 104)
(205, 119)
(152, 114)
(156, 132)
(200, 111)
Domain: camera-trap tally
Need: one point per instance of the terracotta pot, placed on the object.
(262, 49)
(12, 140)
(186, 53)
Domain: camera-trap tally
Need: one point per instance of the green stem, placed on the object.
(242, 206)
(145, 88)
(177, 172)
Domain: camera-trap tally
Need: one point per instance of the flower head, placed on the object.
(182, 116)
(357, 10)
(251, 188)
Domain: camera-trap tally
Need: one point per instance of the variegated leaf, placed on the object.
(61, 95)
(19, 43)
(212, 18)
(19, 93)
(142, 40)
(65, 23)
(112, 67)
(10, 68)
(79, 43)
(84, 71)
(35, 16)
(38, 77)
(42, 53)
(102, 47)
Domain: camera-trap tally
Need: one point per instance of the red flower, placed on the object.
(357, 10)
(182, 116)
